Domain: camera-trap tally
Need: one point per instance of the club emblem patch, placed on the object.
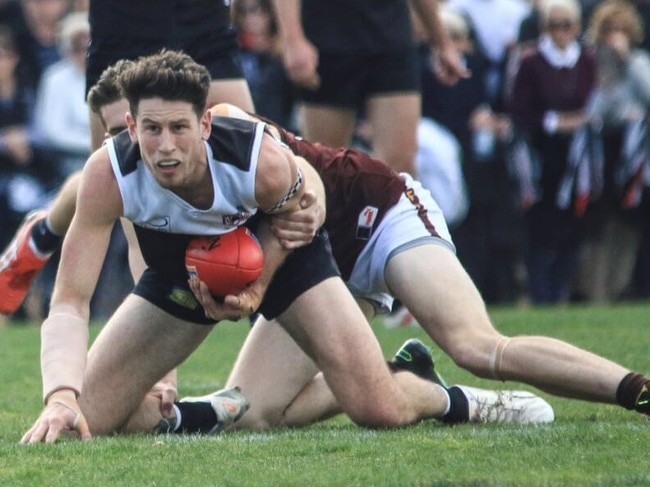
(366, 221)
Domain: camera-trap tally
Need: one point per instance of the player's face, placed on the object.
(171, 143)
(114, 117)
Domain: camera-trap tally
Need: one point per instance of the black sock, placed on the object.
(458, 407)
(45, 240)
(196, 417)
(634, 393)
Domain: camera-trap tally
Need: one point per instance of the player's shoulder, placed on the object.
(229, 110)
(234, 141)
(98, 177)
(125, 151)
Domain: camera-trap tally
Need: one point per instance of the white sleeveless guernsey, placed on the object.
(232, 154)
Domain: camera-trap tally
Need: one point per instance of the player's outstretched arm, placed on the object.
(64, 333)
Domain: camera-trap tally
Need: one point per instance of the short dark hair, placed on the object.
(107, 88)
(170, 75)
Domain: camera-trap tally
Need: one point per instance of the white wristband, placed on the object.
(64, 346)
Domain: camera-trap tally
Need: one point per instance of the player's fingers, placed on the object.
(52, 433)
(38, 432)
(238, 306)
(27, 436)
(81, 425)
(293, 244)
(205, 292)
(300, 236)
(193, 283)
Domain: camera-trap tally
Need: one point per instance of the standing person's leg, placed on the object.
(394, 118)
(233, 91)
(431, 282)
(393, 107)
(328, 125)
(137, 347)
(328, 114)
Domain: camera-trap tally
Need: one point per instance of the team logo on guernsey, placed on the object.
(366, 221)
(159, 223)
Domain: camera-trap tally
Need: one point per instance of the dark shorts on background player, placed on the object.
(216, 51)
(348, 80)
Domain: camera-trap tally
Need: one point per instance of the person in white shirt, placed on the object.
(61, 101)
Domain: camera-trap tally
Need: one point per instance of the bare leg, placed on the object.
(301, 397)
(394, 119)
(325, 321)
(234, 91)
(329, 126)
(432, 284)
(136, 348)
(271, 370)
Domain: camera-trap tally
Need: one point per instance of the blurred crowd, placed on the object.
(538, 160)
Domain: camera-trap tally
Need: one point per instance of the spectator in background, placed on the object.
(261, 60)
(25, 171)
(549, 96)
(529, 29)
(488, 239)
(620, 105)
(61, 101)
(36, 24)
(642, 8)
(496, 25)
(352, 55)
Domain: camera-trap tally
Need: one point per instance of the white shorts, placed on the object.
(401, 229)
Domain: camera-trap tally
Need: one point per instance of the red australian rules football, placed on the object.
(226, 263)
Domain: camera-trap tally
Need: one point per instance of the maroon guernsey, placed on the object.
(359, 190)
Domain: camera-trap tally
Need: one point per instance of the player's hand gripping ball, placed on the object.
(226, 263)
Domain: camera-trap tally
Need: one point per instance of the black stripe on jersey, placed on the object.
(232, 141)
(128, 153)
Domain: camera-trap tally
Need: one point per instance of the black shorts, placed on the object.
(348, 80)
(303, 269)
(218, 52)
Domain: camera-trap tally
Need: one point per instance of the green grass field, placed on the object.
(588, 444)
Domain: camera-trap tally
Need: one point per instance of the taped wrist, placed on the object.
(64, 346)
